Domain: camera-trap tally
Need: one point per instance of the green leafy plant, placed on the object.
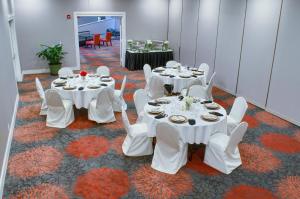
(53, 54)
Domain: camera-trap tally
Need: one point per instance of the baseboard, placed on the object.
(8, 144)
(224, 89)
(283, 116)
(42, 70)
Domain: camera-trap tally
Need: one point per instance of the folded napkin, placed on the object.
(192, 121)
(171, 76)
(153, 103)
(160, 116)
(206, 102)
(63, 78)
(216, 113)
(105, 76)
(60, 85)
(180, 97)
(80, 88)
(103, 84)
(195, 76)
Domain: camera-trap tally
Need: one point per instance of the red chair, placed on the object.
(107, 38)
(95, 42)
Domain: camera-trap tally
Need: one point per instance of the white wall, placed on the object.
(45, 22)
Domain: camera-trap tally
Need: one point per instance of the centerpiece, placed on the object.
(165, 46)
(130, 44)
(188, 101)
(83, 75)
(148, 45)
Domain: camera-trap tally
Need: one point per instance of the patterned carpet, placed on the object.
(85, 160)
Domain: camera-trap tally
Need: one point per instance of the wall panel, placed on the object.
(258, 49)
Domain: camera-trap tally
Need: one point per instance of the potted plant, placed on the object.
(54, 55)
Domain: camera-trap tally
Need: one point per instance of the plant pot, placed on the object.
(54, 68)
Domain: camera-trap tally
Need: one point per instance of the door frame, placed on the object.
(122, 33)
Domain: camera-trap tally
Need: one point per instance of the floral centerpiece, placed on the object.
(148, 45)
(188, 101)
(178, 66)
(130, 44)
(83, 74)
(165, 45)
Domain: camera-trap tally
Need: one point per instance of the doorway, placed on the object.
(110, 28)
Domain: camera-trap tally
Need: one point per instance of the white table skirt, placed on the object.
(178, 82)
(192, 134)
(82, 99)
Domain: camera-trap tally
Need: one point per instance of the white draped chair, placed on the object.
(40, 90)
(103, 71)
(119, 101)
(64, 72)
(237, 113)
(170, 152)
(100, 109)
(136, 142)
(147, 73)
(140, 99)
(60, 112)
(171, 63)
(156, 88)
(204, 92)
(185, 91)
(222, 152)
(204, 67)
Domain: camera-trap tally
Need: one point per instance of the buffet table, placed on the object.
(136, 60)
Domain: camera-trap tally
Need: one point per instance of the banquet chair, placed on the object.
(107, 39)
(100, 109)
(119, 101)
(204, 92)
(185, 91)
(140, 99)
(171, 63)
(147, 73)
(60, 112)
(205, 68)
(64, 72)
(222, 152)
(95, 42)
(103, 71)
(40, 90)
(136, 143)
(237, 113)
(170, 152)
(156, 87)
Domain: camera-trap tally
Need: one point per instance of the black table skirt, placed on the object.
(136, 61)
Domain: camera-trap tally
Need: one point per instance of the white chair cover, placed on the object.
(185, 91)
(237, 113)
(103, 71)
(197, 91)
(100, 109)
(170, 153)
(210, 86)
(156, 87)
(140, 98)
(136, 142)
(119, 101)
(147, 73)
(205, 68)
(64, 72)
(171, 63)
(60, 112)
(40, 90)
(222, 151)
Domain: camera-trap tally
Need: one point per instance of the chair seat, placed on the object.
(89, 42)
(139, 129)
(219, 141)
(231, 124)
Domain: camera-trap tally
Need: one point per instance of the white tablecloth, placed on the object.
(81, 99)
(192, 134)
(178, 82)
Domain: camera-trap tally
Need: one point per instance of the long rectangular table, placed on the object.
(136, 60)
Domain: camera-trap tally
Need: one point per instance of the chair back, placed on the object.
(39, 88)
(96, 39)
(169, 136)
(105, 99)
(123, 85)
(205, 68)
(156, 87)
(53, 99)
(236, 137)
(125, 121)
(147, 72)
(64, 72)
(108, 36)
(197, 91)
(140, 99)
(103, 71)
(171, 63)
(210, 86)
(238, 109)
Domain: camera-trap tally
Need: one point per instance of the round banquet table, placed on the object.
(82, 98)
(192, 134)
(178, 82)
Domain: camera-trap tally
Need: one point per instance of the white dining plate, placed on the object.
(93, 86)
(155, 111)
(184, 76)
(59, 81)
(163, 101)
(209, 117)
(178, 119)
(212, 106)
(69, 87)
